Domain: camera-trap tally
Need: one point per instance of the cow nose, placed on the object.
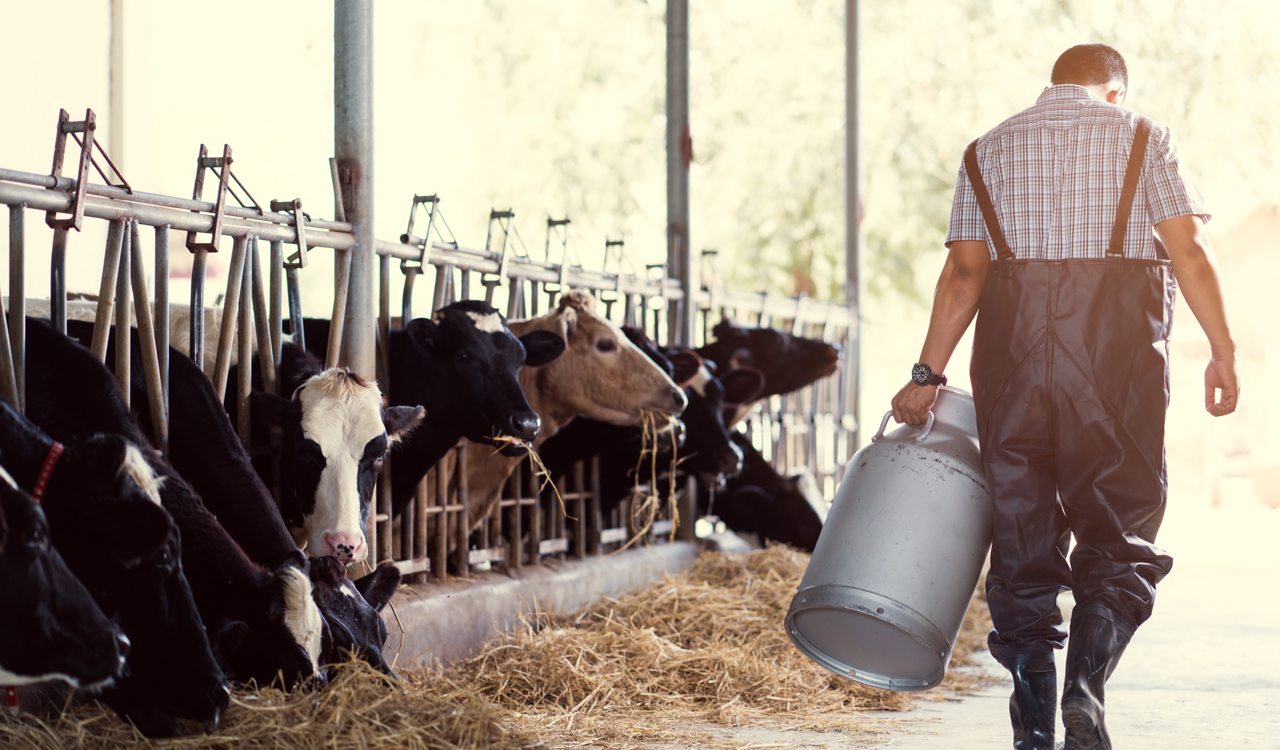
(729, 462)
(344, 545)
(524, 425)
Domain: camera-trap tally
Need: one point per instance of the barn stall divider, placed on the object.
(811, 428)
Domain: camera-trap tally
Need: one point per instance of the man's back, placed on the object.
(1055, 170)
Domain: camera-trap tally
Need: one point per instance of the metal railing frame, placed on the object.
(788, 429)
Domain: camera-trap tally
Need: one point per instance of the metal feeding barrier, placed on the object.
(812, 428)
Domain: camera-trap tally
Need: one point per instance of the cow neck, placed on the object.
(42, 479)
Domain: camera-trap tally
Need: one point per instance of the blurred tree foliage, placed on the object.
(574, 92)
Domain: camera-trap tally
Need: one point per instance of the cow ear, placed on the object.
(742, 385)
(685, 365)
(378, 586)
(269, 407)
(541, 347)
(399, 420)
(422, 333)
(227, 642)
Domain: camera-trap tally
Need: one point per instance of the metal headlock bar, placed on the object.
(430, 536)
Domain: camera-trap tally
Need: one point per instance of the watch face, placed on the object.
(920, 374)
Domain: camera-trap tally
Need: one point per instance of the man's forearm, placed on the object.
(955, 302)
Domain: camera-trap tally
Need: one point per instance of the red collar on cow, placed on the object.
(11, 697)
(42, 481)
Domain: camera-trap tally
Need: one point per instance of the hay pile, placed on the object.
(666, 664)
(706, 645)
(360, 709)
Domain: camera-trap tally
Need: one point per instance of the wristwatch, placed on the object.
(922, 374)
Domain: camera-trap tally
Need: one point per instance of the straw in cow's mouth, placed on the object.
(539, 468)
(647, 504)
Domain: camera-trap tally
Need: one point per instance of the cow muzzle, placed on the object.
(346, 546)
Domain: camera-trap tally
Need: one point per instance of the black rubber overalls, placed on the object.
(1071, 383)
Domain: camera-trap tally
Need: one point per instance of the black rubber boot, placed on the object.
(1094, 647)
(1034, 703)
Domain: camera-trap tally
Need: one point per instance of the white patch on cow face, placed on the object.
(5, 475)
(9, 678)
(700, 380)
(135, 465)
(302, 616)
(340, 415)
(487, 322)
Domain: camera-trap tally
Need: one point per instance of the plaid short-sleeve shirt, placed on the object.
(1055, 170)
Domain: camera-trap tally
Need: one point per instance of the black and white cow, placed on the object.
(52, 629)
(351, 608)
(762, 503)
(125, 549)
(205, 450)
(264, 619)
(463, 367)
(335, 433)
(787, 362)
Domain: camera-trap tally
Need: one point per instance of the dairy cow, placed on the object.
(205, 450)
(462, 366)
(52, 629)
(264, 620)
(601, 374)
(98, 495)
(762, 503)
(707, 451)
(787, 362)
(335, 433)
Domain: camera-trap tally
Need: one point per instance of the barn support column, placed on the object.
(680, 316)
(353, 150)
(853, 218)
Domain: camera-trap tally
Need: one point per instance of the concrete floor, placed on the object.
(1203, 673)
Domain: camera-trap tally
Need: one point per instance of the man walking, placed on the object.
(1051, 246)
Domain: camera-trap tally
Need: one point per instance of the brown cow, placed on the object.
(601, 375)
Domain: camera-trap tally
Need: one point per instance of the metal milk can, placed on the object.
(900, 553)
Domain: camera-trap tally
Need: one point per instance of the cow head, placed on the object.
(711, 454)
(469, 379)
(52, 628)
(125, 549)
(335, 435)
(787, 362)
(351, 609)
(279, 634)
(602, 374)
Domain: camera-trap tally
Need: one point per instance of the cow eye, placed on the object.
(606, 345)
(377, 464)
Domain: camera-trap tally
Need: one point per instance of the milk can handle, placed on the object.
(924, 433)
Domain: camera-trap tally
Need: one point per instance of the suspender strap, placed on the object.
(1131, 175)
(984, 202)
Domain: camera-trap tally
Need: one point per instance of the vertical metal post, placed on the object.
(353, 150)
(123, 310)
(276, 313)
(262, 321)
(156, 393)
(58, 281)
(680, 317)
(244, 355)
(195, 345)
(107, 290)
(18, 302)
(230, 307)
(852, 212)
(162, 312)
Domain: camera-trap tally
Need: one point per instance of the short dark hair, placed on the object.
(1090, 65)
